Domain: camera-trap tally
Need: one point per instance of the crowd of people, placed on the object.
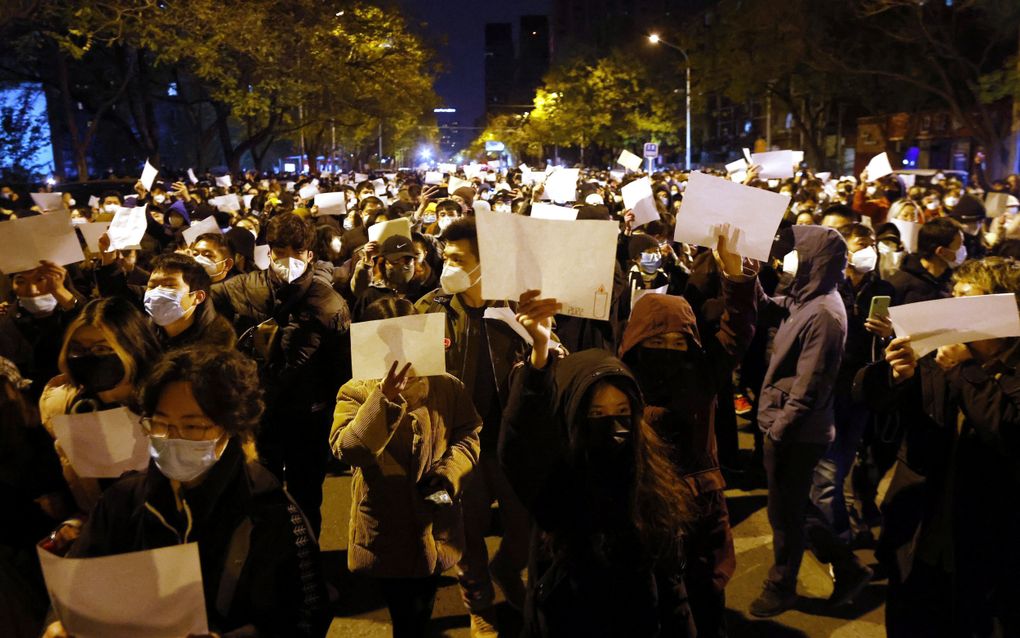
(606, 444)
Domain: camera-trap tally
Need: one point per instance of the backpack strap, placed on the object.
(237, 555)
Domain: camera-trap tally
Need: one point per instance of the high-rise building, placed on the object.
(500, 64)
(513, 73)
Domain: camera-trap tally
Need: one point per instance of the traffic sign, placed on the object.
(651, 150)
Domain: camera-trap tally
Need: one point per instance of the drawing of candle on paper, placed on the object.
(601, 307)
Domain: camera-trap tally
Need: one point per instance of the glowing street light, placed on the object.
(655, 39)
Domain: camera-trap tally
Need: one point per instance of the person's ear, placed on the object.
(200, 296)
(228, 263)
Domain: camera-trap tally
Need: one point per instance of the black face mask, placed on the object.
(96, 372)
(400, 274)
(664, 374)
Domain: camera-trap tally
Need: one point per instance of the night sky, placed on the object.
(462, 23)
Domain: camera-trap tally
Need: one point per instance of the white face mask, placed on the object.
(40, 305)
(111, 208)
(71, 202)
(164, 305)
(501, 208)
(430, 218)
(288, 269)
(182, 460)
(871, 190)
(951, 201)
(159, 199)
(348, 223)
(336, 245)
(211, 267)
(960, 257)
(790, 263)
(455, 279)
(932, 205)
(444, 222)
(864, 260)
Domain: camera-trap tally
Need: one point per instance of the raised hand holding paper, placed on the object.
(710, 202)
(774, 164)
(415, 339)
(155, 593)
(223, 181)
(384, 230)
(102, 444)
(572, 263)
(192, 177)
(49, 202)
(207, 225)
(638, 197)
(629, 160)
(27, 241)
(226, 203)
(127, 228)
(551, 211)
(308, 191)
(879, 167)
(92, 232)
(331, 203)
(149, 173)
(561, 185)
(456, 182)
(943, 322)
(737, 166)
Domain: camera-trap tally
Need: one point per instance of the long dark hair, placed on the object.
(125, 327)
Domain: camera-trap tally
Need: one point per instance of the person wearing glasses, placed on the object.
(106, 350)
(200, 408)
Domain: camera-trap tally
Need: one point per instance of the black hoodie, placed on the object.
(796, 396)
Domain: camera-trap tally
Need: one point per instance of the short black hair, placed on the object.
(460, 229)
(938, 233)
(224, 382)
(842, 210)
(855, 229)
(289, 231)
(191, 271)
(219, 241)
(388, 308)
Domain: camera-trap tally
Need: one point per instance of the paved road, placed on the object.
(360, 612)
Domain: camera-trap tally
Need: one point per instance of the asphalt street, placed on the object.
(360, 612)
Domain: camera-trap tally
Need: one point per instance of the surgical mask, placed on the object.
(444, 222)
(617, 198)
(650, 262)
(864, 260)
(96, 372)
(110, 208)
(871, 190)
(348, 223)
(501, 208)
(336, 245)
(71, 202)
(182, 460)
(211, 267)
(288, 269)
(960, 257)
(791, 261)
(932, 205)
(159, 199)
(951, 201)
(430, 218)
(455, 279)
(40, 305)
(164, 305)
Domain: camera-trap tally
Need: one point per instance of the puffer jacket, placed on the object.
(796, 397)
(311, 358)
(395, 449)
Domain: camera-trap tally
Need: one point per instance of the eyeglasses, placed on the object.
(163, 430)
(98, 349)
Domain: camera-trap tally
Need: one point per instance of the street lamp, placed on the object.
(655, 39)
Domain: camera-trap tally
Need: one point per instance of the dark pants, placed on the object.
(921, 606)
(828, 520)
(789, 467)
(410, 601)
(295, 447)
(711, 562)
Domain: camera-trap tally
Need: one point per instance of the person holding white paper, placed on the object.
(652, 265)
(949, 515)
(291, 319)
(481, 353)
(259, 561)
(412, 441)
(873, 199)
(106, 350)
(45, 302)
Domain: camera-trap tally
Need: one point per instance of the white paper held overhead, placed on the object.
(207, 225)
(572, 263)
(774, 164)
(414, 339)
(629, 160)
(27, 241)
(751, 214)
(551, 211)
(879, 167)
(92, 232)
(382, 231)
(331, 203)
(561, 185)
(49, 202)
(149, 173)
(638, 197)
